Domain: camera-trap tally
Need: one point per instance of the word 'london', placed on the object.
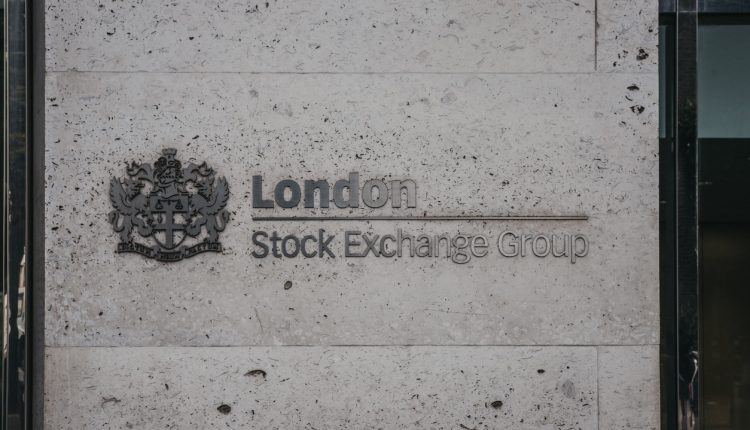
(375, 193)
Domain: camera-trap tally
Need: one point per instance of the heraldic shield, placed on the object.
(177, 212)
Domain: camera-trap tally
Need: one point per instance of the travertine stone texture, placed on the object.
(322, 388)
(518, 107)
(627, 36)
(322, 35)
(628, 392)
(474, 144)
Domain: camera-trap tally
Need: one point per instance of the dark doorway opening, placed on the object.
(705, 213)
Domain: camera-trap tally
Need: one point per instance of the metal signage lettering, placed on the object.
(169, 213)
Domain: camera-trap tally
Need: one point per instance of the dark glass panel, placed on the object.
(725, 278)
(723, 6)
(724, 216)
(724, 78)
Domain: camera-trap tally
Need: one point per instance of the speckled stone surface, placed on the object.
(627, 36)
(628, 394)
(323, 388)
(493, 108)
(324, 35)
(506, 144)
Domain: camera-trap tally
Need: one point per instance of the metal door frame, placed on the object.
(22, 205)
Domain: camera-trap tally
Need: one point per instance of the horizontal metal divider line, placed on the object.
(425, 218)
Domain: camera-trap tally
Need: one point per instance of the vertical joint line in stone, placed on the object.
(598, 392)
(596, 26)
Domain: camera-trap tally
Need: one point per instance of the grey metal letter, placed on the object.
(258, 201)
(323, 188)
(411, 193)
(338, 191)
(367, 193)
(278, 193)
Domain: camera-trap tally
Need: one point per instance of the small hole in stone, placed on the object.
(224, 409)
(497, 404)
(256, 372)
(540, 371)
(287, 285)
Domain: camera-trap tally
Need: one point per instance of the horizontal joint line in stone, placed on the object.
(456, 73)
(346, 345)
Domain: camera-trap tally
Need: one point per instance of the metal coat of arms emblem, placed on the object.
(177, 212)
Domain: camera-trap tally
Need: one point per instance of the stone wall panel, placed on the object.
(321, 36)
(502, 145)
(313, 387)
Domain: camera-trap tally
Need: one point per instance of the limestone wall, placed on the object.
(528, 108)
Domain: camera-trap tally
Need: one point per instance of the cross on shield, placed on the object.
(171, 218)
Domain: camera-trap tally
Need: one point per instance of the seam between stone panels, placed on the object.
(144, 72)
(598, 392)
(597, 347)
(596, 37)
